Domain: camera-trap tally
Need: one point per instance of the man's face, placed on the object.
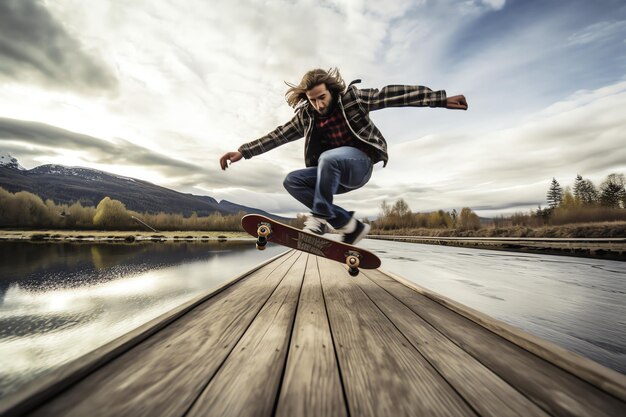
(320, 98)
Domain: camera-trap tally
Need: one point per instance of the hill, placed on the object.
(66, 185)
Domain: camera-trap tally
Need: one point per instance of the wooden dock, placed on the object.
(298, 336)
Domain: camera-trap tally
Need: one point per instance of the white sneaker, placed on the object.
(315, 225)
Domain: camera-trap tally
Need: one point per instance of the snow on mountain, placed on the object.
(86, 173)
(8, 161)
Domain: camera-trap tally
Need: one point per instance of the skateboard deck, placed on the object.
(268, 230)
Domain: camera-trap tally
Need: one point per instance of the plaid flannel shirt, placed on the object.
(355, 104)
(333, 132)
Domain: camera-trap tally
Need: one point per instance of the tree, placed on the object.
(439, 220)
(543, 214)
(612, 191)
(111, 214)
(401, 208)
(468, 220)
(585, 192)
(385, 209)
(569, 201)
(555, 194)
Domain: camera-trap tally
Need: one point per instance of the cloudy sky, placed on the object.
(160, 89)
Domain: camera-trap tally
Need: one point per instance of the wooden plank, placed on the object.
(311, 385)
(165, 374)
(248, 382)
(486, 392)
(602, 377)
(382, 373)
(551, 388)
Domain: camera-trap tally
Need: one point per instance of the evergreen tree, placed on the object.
(454, 215)
(612, 191)
(585, 192)
(555, 194)
(578, 187)
(543, 214)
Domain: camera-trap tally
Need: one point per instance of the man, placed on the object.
(341, 142)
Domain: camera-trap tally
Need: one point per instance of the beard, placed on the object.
(328, 110)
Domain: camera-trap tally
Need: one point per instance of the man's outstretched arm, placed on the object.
(290, 131)
(408, 96)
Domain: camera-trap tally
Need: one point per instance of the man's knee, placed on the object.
(327, 159)
(288, 181)
(293, 180)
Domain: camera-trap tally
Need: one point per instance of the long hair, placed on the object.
(334, 83)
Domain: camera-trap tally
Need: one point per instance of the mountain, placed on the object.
(66, 185)
(8, 161)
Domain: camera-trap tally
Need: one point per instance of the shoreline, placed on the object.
(106, 236)
(597, 248)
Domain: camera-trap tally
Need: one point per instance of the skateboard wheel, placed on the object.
(352, 262)
(261, 246)
(353, 272)
(263, 231)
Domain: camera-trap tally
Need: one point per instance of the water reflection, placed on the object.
(59, 301)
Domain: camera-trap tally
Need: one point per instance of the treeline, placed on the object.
(582, 203)
(27, 210)
(400, 216)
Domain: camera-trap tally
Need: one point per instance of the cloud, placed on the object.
(582, 134)
(30, 139)
(97, 150)
(34, 47)
(495, 4)
(598, 32)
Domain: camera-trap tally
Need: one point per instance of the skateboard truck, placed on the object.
(353, 261)
(263, 231)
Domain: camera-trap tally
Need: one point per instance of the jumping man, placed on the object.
(341, 142)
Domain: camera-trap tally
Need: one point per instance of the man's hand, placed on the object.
(229, 156)
(456, 102)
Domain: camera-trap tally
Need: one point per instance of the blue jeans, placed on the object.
(338, 171)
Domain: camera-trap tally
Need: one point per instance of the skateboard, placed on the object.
(268, 230)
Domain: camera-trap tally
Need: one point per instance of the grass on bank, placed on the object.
(579, 230)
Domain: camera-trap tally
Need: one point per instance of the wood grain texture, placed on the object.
(248, 382)
(557, 392)
(311, 385)
(486, 392)
(383, 374)
(165, 374)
